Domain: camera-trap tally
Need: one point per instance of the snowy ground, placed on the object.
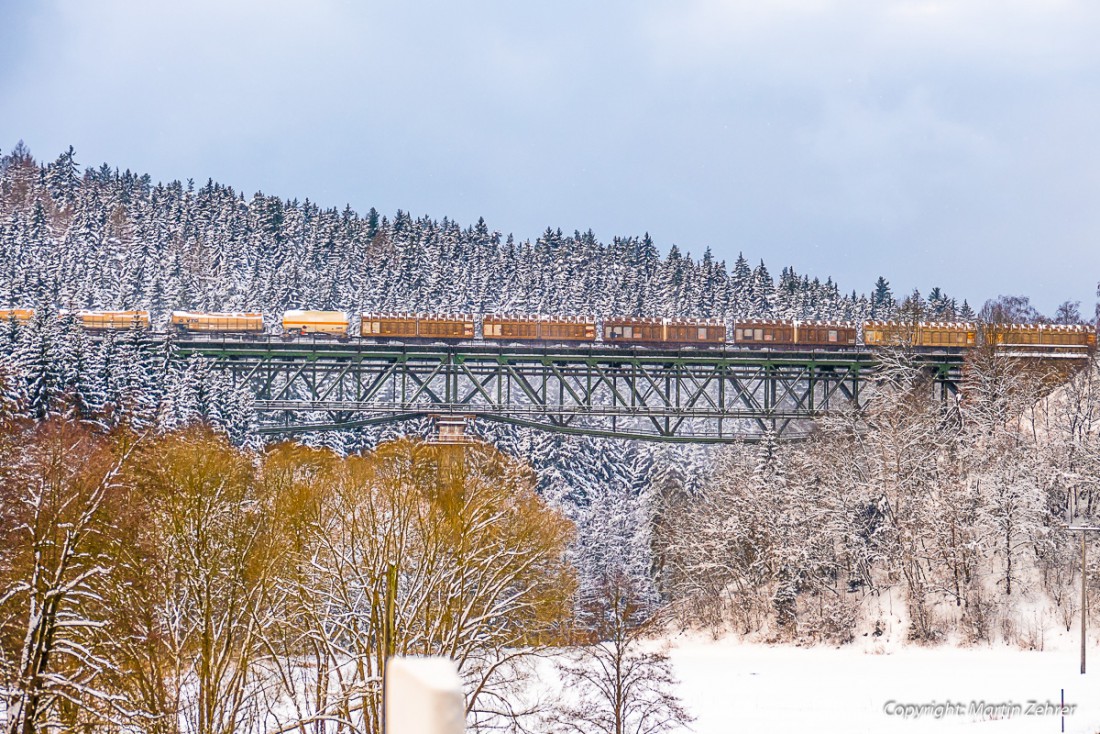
(733, 686)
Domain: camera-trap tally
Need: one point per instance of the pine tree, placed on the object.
(39, 362)
(762, 293)
(740, 288)
(882, 300)
(63, 178)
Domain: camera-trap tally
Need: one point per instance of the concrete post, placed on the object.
(424, 696)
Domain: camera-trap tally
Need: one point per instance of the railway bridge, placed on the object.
(676, 395)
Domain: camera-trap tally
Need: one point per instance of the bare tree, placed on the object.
(220, 548)
(1009, 310)
(1069, 312)
(618, 686)
(481, 571)
(60, 497)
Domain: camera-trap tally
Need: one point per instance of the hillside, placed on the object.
(100, 238)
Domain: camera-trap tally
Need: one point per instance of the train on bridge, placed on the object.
(611, 331)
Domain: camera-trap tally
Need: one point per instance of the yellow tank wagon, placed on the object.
(18, 315)
(329, 323)
(218, 322)
(112, 320)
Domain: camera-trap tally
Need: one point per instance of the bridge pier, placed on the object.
(451, 429)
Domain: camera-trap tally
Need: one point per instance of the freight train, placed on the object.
(616, 331)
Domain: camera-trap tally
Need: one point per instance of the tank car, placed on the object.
(18, 315)
(299, 322)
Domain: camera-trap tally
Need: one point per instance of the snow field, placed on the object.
(732, 686)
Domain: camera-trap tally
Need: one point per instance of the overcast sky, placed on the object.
(952, 143)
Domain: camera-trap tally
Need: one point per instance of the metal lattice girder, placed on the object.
(665, 394)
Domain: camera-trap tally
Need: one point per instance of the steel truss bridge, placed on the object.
(688, 395)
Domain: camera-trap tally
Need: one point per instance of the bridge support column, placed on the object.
(451, 428)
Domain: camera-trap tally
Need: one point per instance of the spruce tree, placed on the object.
(882, 300)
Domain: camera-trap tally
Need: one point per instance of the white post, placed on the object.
(424, 696)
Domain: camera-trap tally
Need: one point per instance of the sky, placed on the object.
(952, 144)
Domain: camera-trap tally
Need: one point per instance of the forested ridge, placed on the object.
(101, 238)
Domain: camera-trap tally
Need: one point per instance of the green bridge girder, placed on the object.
(678, 395)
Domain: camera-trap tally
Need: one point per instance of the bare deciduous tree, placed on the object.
(60, 501)
(616, 684)
(482, 578)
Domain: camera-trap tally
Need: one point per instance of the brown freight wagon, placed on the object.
(762, 332)
(633, 331)
(947, 334)
(825, 333)
(511, 328)
(445, 326)
(890, 333)
(579, 329)
(942, 334)
(1056, 337)
(695, 331)
(388, 325)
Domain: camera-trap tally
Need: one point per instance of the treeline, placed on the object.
(944, 520)
(100, 238)
(166, 583)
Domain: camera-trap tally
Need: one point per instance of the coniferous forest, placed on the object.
(951, 508)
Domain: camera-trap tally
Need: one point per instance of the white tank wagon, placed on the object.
(299, 322)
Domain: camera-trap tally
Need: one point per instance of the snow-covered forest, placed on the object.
(101, 238)
(954, 507)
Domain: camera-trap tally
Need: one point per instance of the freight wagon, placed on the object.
(663, 331)
(633, 331)
(539, 328)
(510, 328)
(18, 315)
(327, 323)
(111, 320)
(220, 322)
(445, 326)
(694, 331)
(762, 332)
(434, 327)
(578, 329)
(1030, 337)
(941, 334)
